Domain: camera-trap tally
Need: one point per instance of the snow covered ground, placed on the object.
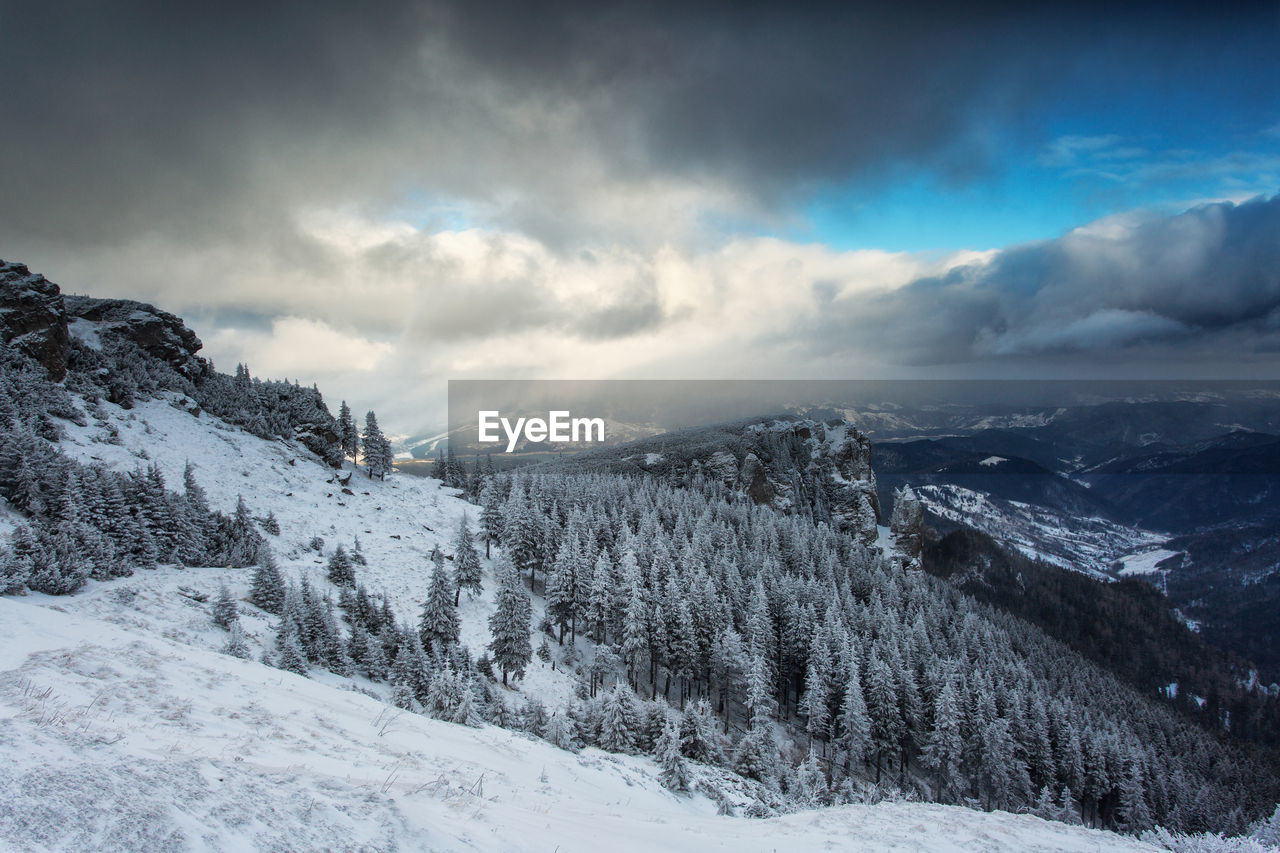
(122, 727)
(123, 739)
(1145, 562)
(398, 521)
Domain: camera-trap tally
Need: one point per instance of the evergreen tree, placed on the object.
(635, 626)
(268, 589)
(196, 523)
(811, 786)
(944, 748)
(1045, 806)
(522, 532)
(814, 702)
(236, 645)
(18, 561)
(996, 765)
(225, 614)
(56, 564)
(760, 700)
(366, 653)
(675, 771)
(855, 724)
(348, 435)
(882, 703)
(617, 732)
(757, 756)
(270, 524)
(490, 515)
(341, 572)
(562, 584)
(509, 624)
(466, 562)
(291, 657)
(562, 729)
(439, 625)
(700, 734)
(599, 605)
(377, 450)
(402, 694)
(1133, 815)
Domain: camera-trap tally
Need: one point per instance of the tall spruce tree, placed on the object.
(438, 626)
(617, 726)
(268, 588)
(466, 562)
(675, 770)
(348, 435)
(377, 450)
(490, 515)
(509, 624)
(944, 748)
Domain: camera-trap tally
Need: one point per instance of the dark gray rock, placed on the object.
(33, 318)
(158, 333)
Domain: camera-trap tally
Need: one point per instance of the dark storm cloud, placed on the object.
(205, 121)
(1205, 283)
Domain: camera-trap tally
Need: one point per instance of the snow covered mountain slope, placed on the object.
(119, 738)
(124, 728)
(1090, 545)
(398, 521)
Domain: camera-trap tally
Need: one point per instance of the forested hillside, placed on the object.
(749, 634)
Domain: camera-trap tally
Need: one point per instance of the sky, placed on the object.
(380, 201)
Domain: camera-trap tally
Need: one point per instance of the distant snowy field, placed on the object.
(1146, 562)
(122, 727)
(1089, 545)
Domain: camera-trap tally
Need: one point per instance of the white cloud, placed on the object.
(297, 346)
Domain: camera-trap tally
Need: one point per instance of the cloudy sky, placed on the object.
(380, 202)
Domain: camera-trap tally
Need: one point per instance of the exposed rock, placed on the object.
(33, 318)
(158, 333)
(845, 456)
(789, 464)
(754, 481)
(321, 440)
(907, 523)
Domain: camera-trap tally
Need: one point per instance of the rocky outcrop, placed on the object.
(907, 524)
(844, 455)
(33, 318)
(36, 319)
(754, 481)
(789, 464)
(158, 333)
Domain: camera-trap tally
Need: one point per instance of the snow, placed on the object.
(124, 739)
(992, 461)
(122, 727)
(1088, 545)
(652, 458)
(1145, 562)
(398, 521)
(85, 331)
